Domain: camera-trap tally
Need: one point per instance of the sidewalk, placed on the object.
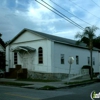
(38, 85)
(35, 85)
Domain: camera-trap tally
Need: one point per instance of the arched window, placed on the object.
(15, 57)
(40, 55)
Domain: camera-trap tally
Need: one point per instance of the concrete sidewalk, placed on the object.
(35, 84)
(38, 85)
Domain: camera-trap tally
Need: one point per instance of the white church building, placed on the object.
(45, 55)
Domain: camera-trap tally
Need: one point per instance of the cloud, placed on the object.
(18, 14)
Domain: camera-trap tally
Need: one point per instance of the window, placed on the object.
(93, 61)
(62, 58)
(77, 60)
(15, 57)
(88, 60)
(40, 55)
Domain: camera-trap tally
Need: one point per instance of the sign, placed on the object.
(70, 60)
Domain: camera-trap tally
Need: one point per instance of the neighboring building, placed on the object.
(47, 56)
(2, 53)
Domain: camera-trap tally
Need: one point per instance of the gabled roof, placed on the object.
(53, 38)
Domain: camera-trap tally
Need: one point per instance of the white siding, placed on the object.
(7, 59)
(72, 51)
(51, 55)
(32, 60)
(99, 62)
(27, 36)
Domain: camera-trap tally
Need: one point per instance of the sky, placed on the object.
(15, 15)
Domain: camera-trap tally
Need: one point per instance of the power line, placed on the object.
(84, 9)
(60, 14)
(95, 3)
(69, 12)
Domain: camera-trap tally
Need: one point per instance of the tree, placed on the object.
(96, 42)
(88, 33)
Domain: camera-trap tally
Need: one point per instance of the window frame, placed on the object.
(40, 55)
(15, 58)
(77, 60)
(88, 58)
(93, 60)
(62, 59)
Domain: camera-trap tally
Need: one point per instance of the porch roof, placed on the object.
(24, 48)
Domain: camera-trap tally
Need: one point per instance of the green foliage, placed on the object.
(89, 35)
(96, 42)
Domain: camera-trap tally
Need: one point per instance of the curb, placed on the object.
(84, 83)
(69, 86)
(62, 87)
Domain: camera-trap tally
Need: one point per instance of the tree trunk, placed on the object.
(91, 72)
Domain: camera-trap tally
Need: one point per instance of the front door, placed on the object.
(25, 62)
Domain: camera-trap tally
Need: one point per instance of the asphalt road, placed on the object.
(76, 93)
(79, 93)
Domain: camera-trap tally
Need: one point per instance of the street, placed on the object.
(76, 93)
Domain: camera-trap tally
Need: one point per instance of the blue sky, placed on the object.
(18, 14)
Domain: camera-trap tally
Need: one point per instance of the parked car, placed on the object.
(1, 73)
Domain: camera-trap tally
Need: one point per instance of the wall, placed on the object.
(27, 36)
(7, 59)
(99, 62)
(35, 43)
(72, 51)
(47, 76)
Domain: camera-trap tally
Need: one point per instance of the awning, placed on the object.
(23, 48)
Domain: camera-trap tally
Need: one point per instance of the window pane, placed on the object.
(15, 58)
(62, 58)
(88, 60)
(77, 60)
(40, 55)
(93, 61)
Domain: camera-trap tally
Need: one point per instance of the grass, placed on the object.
(37, 80)
(13, 84)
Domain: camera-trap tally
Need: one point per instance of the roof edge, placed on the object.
(20, 33)
(76, 45)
